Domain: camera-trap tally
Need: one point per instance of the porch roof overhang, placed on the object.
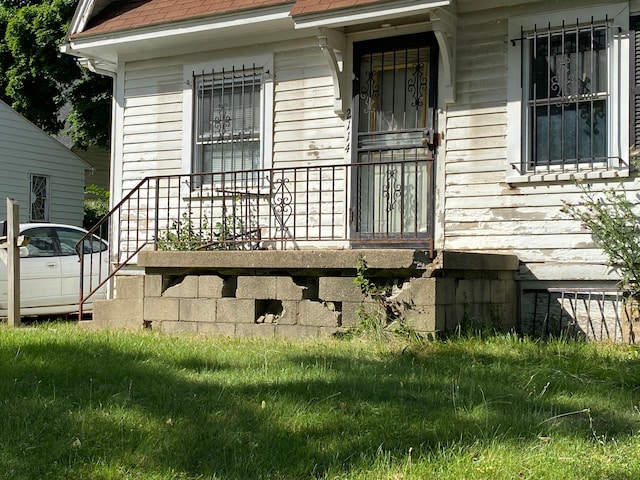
(331, 25)
(101, 49)
(104, 49)
(363, 13)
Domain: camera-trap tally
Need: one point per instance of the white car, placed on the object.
(50, 270)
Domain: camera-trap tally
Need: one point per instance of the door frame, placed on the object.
(425, 240)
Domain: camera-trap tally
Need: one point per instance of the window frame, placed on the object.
(189, 140)
(33, 197)
(39, 236)
(519, 139)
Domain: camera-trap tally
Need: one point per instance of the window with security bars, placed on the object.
(567, 92)
(227, 119)
(39, 200)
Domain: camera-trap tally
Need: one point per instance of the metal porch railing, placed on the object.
(591, 313)
(347, 206)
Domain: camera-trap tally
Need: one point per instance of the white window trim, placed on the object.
(618, 104)
(266, 104)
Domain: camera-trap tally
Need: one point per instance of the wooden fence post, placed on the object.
(13, 262)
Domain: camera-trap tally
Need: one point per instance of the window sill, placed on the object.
(604, 174)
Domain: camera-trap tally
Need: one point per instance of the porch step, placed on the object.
(122, 313)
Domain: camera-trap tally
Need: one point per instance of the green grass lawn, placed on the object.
(82, 405)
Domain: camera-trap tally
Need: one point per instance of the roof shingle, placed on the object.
(129, 14)
(305, 7)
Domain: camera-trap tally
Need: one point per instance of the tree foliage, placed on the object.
(41, 83)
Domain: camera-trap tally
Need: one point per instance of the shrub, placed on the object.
(185, 235)
(96, 205)
(614, 223)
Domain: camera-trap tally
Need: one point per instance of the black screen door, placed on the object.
(394, 125)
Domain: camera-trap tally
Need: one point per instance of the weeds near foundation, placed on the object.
(184, 234)
(377, 315)
(471, 326)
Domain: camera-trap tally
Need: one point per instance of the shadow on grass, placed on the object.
(104, 407)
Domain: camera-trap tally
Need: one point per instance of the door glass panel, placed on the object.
(392, 193)
(393, 91)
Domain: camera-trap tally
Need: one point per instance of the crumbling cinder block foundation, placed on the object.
(308, 294)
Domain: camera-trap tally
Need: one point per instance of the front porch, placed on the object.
(382, 204)
(285, 252)
(309, 293)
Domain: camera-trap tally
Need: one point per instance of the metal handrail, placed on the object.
(350, 204)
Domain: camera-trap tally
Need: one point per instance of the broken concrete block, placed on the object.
(288, 289)
(182, 287)
(211, 286)
(339, 289)
(318, 314)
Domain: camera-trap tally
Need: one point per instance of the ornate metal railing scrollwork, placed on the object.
(392, 189)
(281, 203)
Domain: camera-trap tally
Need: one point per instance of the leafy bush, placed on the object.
(614, 223)
(96, 205)
(184, 235)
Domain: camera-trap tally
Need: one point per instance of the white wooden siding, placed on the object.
(306, 129)
(480, 212)
(484, 213)
(152, 123)
(25, 150)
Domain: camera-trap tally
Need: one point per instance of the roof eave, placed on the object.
(107, 47)
(366, 13)
(84, 12)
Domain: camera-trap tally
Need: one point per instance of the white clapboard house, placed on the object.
(292, 129)
(43, 176)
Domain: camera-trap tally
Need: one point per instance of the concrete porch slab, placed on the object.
(407, 262)
(401, 262)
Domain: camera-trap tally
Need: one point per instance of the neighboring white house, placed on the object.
(41, 174)
(499, 104)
